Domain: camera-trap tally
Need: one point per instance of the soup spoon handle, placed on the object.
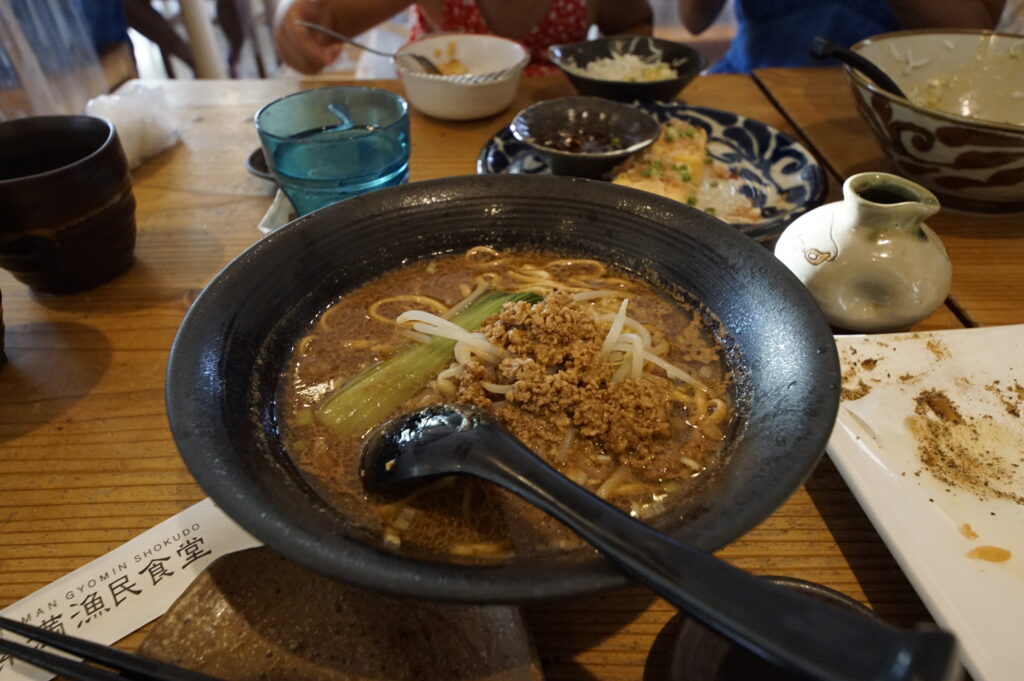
(794, 632)
(823, 49)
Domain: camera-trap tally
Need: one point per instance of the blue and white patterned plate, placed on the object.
(779, 175)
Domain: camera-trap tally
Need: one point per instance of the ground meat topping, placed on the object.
(470, 390)
(558, 379)
(553, 332)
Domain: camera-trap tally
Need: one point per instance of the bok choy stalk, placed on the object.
(375, 394)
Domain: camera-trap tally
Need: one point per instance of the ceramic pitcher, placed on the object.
(869, 260)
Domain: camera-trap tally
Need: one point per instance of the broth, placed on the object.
(886, 194)
(562, 374)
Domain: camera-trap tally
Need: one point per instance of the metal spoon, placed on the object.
(424, 63)
(344, 123)
(800, 635)
(823, 49)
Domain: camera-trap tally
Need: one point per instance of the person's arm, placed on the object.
(697, 15)
(624, 16)
(958, 14)
(309, 51)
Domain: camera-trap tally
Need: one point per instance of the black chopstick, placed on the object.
(133, 667)
(58, 664)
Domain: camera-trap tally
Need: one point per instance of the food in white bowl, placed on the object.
(960, 132)
(985, 83)
(479, 75)
(447, 62)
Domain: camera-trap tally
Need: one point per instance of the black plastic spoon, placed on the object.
(823, 49)
(800, 635)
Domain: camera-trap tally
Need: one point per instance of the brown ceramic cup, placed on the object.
(67, 212)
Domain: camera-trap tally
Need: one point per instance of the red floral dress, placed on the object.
(564, 22)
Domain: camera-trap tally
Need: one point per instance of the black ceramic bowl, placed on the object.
(574, 57)
(701, 653)
(225, 363)
(584, 136)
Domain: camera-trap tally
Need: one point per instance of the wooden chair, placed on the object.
(155, 27)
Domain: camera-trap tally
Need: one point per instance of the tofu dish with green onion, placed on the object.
(678, 166)
(620, 387)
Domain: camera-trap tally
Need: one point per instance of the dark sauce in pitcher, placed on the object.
(887, 195)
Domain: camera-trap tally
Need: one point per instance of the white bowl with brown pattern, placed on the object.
(961, 132)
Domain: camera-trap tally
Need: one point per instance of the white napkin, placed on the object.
(140, 116)
(279, 214)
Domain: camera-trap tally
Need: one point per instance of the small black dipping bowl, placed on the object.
(700, 653)
(573, 58)
(584, 136)
(227, 358)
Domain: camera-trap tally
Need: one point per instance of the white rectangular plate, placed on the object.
(937, 524)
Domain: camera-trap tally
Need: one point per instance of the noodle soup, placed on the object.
(620, 388)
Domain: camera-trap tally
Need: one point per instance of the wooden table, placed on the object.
(86, 457)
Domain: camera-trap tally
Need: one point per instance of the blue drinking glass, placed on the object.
(331, 143)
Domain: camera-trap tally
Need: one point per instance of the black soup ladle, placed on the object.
(810, 638)
(822, 48)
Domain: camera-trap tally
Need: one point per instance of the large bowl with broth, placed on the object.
(227, 361)
(960, 131)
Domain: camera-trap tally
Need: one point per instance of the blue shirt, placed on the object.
(106, 22)
(779, 32)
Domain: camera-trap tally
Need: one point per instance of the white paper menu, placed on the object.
(116, 594)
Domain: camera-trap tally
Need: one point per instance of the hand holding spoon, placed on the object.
(815, 639)
(424, 63)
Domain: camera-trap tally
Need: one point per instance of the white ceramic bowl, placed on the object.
(494, 64)
(961, 134)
